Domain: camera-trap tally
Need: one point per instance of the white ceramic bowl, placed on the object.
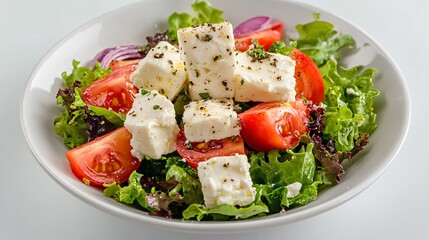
(131, 24)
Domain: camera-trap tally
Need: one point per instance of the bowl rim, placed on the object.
(216, 227)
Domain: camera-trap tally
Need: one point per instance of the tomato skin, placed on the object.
(114, 91)
(264, 38)
(117, 64)
(309, 81)
(105, 159)
(274, 125)
(224, 147)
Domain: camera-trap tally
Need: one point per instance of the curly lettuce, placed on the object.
(203, 13)
(349, 96)
(78, 122)
(320, 41)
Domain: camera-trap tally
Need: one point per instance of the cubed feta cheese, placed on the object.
(152, 124)
(162, 70)
(213, 119)
(267, 80)
(293, 189)
(226, 180)
(208, 53)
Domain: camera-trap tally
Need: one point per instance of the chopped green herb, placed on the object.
(156, 107)
(144, 91)
(204, 95)
(257, 51)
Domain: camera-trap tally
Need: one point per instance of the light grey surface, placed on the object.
(33, 206)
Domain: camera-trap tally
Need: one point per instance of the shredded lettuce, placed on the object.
(203, 13)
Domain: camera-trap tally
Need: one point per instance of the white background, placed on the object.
(33, 206)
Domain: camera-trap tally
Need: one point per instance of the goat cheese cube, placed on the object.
(161, 70)
(267, 80)
(293, 189)
(152, 124)
(226, 180)
(208, 53)
(206, 120)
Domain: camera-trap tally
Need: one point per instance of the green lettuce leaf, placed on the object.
(187, 184)
(283, 169)
(320, 41)
(72, 124)
(131, 194)
(203, 13)
(224, 212)
(272, 172)
(349, 96)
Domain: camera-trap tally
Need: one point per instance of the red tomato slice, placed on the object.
(274, 125)
(116, 64)
(193, 153)
(106, 159)
(114, 92)
(264, 38)
(309, 81)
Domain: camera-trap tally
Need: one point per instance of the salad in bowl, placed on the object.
(209, 121)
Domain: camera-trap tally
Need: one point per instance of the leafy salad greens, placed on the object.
(339, 129)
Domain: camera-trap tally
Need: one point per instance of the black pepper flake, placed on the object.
(192, 83)
(217, 57)
(158, 55)
(197, 73)
(248, 67)
(279, 78)
(175, 72)
(225, 164)
(224, 83)
(242, 81)
(207, 38)
(170, 62)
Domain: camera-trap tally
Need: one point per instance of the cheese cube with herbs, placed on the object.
(152, 124)
(206, 120)
(208, 53)
(161, 70)
(265, 79)
(226, 180)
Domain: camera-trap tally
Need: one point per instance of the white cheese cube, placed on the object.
(226, 180)
(206, 120)
(152, 124)
(267, 80)
(162, 70)
(293, 189)
(208, 53)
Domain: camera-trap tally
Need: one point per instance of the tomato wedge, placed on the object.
(265, 38)
(193, 153)
(116, 64)
(105, 159)
(309, 81)
(274, 125)
(114, 91)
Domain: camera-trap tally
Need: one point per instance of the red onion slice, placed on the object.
(255, 24)
(122, 52)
